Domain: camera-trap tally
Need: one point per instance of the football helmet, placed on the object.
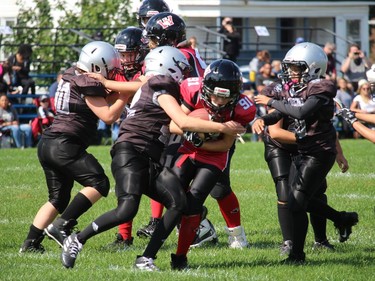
(221, 78)
(130, 40)
(99, 57)
(309, 59)
(167, 61)
(149, 8)
(166, 29)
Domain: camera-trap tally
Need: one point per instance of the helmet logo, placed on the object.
(221, 92)
(166, 22)
(151, 13)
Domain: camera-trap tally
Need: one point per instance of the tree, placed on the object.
(57, 33)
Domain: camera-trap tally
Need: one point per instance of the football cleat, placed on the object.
(32, 246)
(179, 262)
(236, 237)
(205, 233)
(148, 230)
(295, 259)
(146, 264)
(119, 244)
(71, 248)
(286, 247)
(344, 228)
(60, 233)
(325, 245)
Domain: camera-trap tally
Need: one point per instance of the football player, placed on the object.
(280, 148)
(137, 152)
(80, 102)
(150, 8)
(308, 100)
(201, 160)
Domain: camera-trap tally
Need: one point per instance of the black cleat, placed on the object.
(295, 259)
(179, 262)
(60, 233)
(148, 230)
(325, 245)
(344, 228)
(119, 244)
(71, 248)
(32, 246)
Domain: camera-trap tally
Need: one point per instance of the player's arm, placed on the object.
(364, 131)
(108, 113)
(126, 88)
(192, 124)
(279, 134)
(366, 117)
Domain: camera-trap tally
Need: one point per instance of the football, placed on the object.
(200, 113)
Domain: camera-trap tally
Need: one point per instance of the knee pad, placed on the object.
(102, 186)
(127, 207)
(282, 189)
(220, 191)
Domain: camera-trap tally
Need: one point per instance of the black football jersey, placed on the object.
(74, 117)
(312, 124)
(147, 125)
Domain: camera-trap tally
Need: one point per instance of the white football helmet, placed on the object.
(309, 57)
(99, 57)
(167, 61)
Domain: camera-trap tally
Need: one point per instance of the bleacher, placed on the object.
(26, 108)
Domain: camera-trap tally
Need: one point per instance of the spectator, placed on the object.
(4, 87)
(53, 87)
(363, 102)
(355, 65)
(232, 44)
(265, 77)
(45, 112)
(19, 66)
(345, 96)
(9, 121)
(329, 49)
(257, 62)
(276, 67)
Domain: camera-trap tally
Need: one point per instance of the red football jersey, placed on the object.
(243, 113)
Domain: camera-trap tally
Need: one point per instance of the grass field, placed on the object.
(23, 191)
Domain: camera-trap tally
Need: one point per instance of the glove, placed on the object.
(193, 138)
(347, 115)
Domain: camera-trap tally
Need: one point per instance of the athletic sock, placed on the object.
(79, 205)
(230, 209)
(188, 230)
(285, 221)
(34, 233)
(156, 209)
(125, 229)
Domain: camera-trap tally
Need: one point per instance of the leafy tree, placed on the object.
(57, 41)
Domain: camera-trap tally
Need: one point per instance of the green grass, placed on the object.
(23, 191)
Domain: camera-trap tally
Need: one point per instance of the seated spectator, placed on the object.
(345, 96)
(9, 121)
(45, 112)
(355, 65)
(4, 87)
(363, 102)
(19, 68)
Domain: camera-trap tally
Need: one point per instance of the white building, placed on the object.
(341, 22)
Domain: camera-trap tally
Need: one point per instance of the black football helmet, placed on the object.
(131, 40)
(222, 78)
(150, 8)
(166, 29)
